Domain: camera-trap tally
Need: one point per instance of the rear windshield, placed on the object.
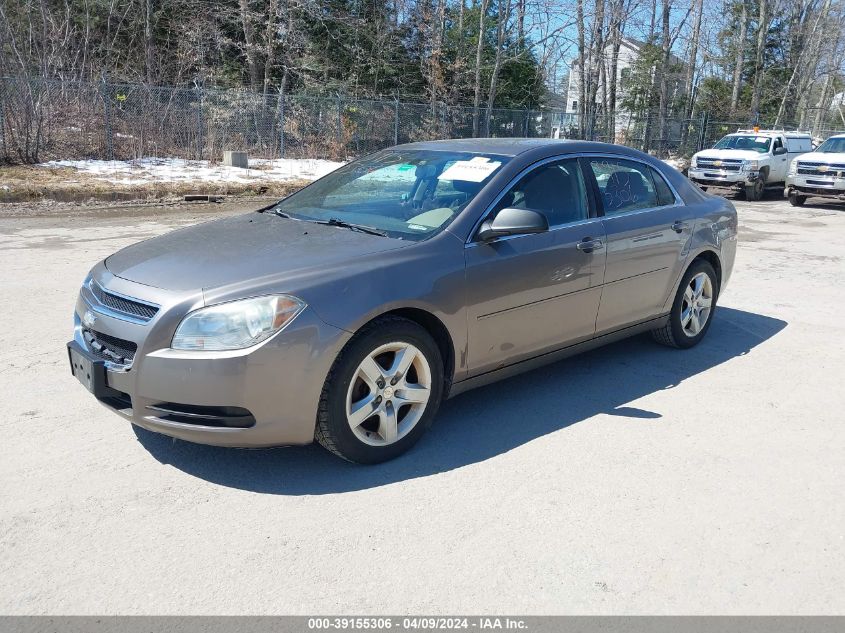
(758, 144)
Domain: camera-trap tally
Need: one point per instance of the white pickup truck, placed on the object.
(749, 161)
(820, 173)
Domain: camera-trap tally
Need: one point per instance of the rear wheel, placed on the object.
(797, 200)
(693, 308)
(755, 190)
(382, 392)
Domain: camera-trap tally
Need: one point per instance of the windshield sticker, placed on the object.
(470, 170)
(761, 139)
(402, 171)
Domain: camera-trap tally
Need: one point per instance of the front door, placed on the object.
(648, 231)
(529, 294)
(780, 162)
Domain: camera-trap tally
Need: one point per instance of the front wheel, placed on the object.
(797, 200)
(693, 308)
(382, 392)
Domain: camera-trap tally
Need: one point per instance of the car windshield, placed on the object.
(832, 146)
(407, 194)
(758, 144)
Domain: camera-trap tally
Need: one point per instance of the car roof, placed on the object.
(517, 146)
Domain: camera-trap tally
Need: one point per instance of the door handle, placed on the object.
(588, 245)
(678, 226)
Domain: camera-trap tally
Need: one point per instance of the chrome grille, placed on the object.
(808, 168)
(138, 309)
(110, 348)
(725, 164)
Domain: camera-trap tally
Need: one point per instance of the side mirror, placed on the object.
(510, 221)
(779, 151)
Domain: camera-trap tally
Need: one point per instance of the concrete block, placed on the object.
(236, 159)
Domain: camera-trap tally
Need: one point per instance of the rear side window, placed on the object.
(625, 185)
(665, 196)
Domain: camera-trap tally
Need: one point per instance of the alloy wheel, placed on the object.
(697, 304)
(388, 393)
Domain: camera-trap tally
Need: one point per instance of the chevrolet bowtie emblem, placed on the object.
(717, 163)
(824, 167)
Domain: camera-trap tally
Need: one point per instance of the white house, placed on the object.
(629, 51)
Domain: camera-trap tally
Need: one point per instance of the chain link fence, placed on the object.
(43, 120)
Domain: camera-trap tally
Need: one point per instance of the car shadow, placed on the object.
(488, 421)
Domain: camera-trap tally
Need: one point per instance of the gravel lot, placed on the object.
(633, 479)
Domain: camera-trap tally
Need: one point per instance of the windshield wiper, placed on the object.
(361, 228)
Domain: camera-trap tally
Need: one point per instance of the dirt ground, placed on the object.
(632, 479)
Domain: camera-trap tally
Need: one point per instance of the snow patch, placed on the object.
(154, 170)
(678, 163)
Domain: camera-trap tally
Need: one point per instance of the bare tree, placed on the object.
(739, 59)
(759, 69)
(249, 44)
(693, 57)
(503, 18)
(582, 67)
(479, 51)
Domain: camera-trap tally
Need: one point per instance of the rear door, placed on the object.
(647, 227)
(529, 294)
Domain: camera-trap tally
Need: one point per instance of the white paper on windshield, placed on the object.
(474, 170)
(761, 139)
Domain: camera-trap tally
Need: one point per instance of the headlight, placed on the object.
(237, 324)
(793, 167)
(751, 165)
(693, 162)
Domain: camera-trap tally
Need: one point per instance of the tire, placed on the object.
(678, 331)
(797, 200)
(353, 386)
(755, 192)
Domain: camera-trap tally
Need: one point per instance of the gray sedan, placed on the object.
(348, 311)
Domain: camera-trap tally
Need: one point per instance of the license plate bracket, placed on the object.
(89, 371)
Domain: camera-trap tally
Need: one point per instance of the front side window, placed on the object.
(759, 144)
(625, 185)
(555, 189)
(406, 194)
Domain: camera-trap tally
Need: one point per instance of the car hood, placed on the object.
(736, 154)
(828, 158)
(240, 248)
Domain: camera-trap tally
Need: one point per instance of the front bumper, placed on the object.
(816, 185)
(263, 396)
(723, 178)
